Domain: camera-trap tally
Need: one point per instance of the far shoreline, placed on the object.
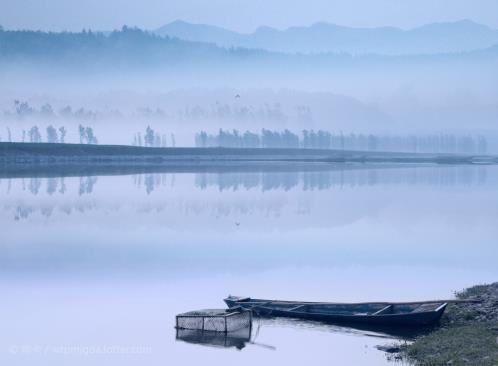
(21, 154)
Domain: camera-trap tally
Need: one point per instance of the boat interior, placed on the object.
(342, 309)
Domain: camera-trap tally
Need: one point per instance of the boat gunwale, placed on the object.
(242, 300)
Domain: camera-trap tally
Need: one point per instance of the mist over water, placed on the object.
(109, 260)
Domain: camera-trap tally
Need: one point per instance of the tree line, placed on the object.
(53, 135)
(132, 46)
(320, 139)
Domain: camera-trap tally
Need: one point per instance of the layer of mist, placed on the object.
(120, 83)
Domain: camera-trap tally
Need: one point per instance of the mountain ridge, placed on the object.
(324, 37)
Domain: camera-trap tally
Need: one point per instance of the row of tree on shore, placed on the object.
(153, 138)
(149, 138)
(311, 139)
(53, 135)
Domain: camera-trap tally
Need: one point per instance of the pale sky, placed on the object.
(241, 15)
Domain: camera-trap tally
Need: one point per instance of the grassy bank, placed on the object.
(468, 334)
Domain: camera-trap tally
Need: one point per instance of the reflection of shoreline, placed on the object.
(266, 177)
(109, 169)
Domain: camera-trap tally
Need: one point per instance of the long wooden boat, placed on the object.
(387, 313)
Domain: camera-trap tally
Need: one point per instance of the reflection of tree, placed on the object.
(86, 184)
(22, 212)
(327, 179)
(137, 180)
(62, 188)
(481, 174)
(67, 209)
(285, 181)
(149, 183)
(34, 185)
(51, 185)
(47, 211)
(339, 177)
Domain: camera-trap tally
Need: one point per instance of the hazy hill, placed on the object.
(128, 46)
(135, 47)
(458, 36)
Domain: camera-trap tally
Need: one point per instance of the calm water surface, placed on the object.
(94, 269)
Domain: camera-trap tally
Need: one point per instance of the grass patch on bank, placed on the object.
(468, 334)
(474, 344)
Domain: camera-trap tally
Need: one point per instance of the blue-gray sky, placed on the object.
(241, 15)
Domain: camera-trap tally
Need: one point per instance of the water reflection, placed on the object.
(369, 330)
(250, 335)
(236, 339)
(86, 185)
(321, 179)
(339, 178)
(109, 259)
(255, 338)
(167, 192)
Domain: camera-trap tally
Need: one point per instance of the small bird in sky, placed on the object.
(237, 96)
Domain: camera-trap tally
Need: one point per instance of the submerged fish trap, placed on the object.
(216, 320)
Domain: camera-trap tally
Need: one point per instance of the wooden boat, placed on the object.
(386, 313)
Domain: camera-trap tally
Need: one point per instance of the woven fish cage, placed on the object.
(216, 320)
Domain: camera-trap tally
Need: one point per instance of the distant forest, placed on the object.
(310, 139)
(135, 47)
(128, 45)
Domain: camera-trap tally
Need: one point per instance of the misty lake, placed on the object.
(94, 269)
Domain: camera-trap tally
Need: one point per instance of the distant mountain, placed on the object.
(463, 35)
(198, 33)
